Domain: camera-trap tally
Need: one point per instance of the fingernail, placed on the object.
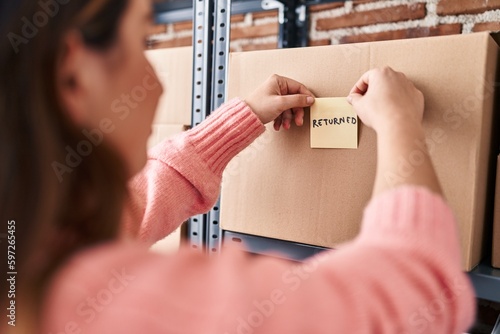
(349, 99)
(309, 100)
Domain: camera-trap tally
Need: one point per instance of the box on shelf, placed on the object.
(174, 68)
(281, 188)
(173, 116)
(495, 260)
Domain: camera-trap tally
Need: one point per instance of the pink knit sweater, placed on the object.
(400, 275)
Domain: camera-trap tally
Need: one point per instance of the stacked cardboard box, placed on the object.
(174, 70)
(281, 188)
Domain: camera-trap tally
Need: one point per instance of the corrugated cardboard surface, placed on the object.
(174, 68)
(281, 188)
(173, 116)
(496, 222)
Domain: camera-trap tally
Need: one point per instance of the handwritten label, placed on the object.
(334, 124)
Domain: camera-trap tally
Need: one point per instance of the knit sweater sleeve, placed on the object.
(183, 175)
(400, 275)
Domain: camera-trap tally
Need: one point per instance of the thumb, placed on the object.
(354, 98)
(295, 101)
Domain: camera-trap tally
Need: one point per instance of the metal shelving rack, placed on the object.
(211, 35)
(484, 278)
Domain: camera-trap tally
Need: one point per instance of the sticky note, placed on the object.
(334, 124)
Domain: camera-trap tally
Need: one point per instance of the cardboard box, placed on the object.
(174, 68)
(495, 260)
(281, 188)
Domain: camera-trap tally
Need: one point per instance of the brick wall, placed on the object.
(352, 21)
(252, 31)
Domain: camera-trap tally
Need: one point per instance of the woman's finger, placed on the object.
(298, 116)
(287, 118)
(277, 123)
(286, 102)
(361, 86)
(290, 86)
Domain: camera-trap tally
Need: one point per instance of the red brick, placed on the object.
(382, 15)
(362, 2)
(325, 6)
(267, 13)
(177, 42)
(486, 26)
(445, 29)
(157, 29)
(237, 18)
(451, 7)
(184, 25)
(378, 36)
(255, 31)
(319, 42)
(255, 47)
(188, 25)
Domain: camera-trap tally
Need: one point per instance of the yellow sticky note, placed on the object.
(334, 124)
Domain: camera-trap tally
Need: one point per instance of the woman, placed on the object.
(73, 137)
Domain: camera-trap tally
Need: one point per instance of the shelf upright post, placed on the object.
(201, 101)
(222, 31)
(293, 33)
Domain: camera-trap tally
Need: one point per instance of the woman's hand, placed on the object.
(389, 103)
(383, 98)
(280, 99)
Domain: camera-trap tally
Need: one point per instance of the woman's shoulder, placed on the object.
(88, 282)
(123, 288)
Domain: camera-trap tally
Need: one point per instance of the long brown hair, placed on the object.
(54, 215)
